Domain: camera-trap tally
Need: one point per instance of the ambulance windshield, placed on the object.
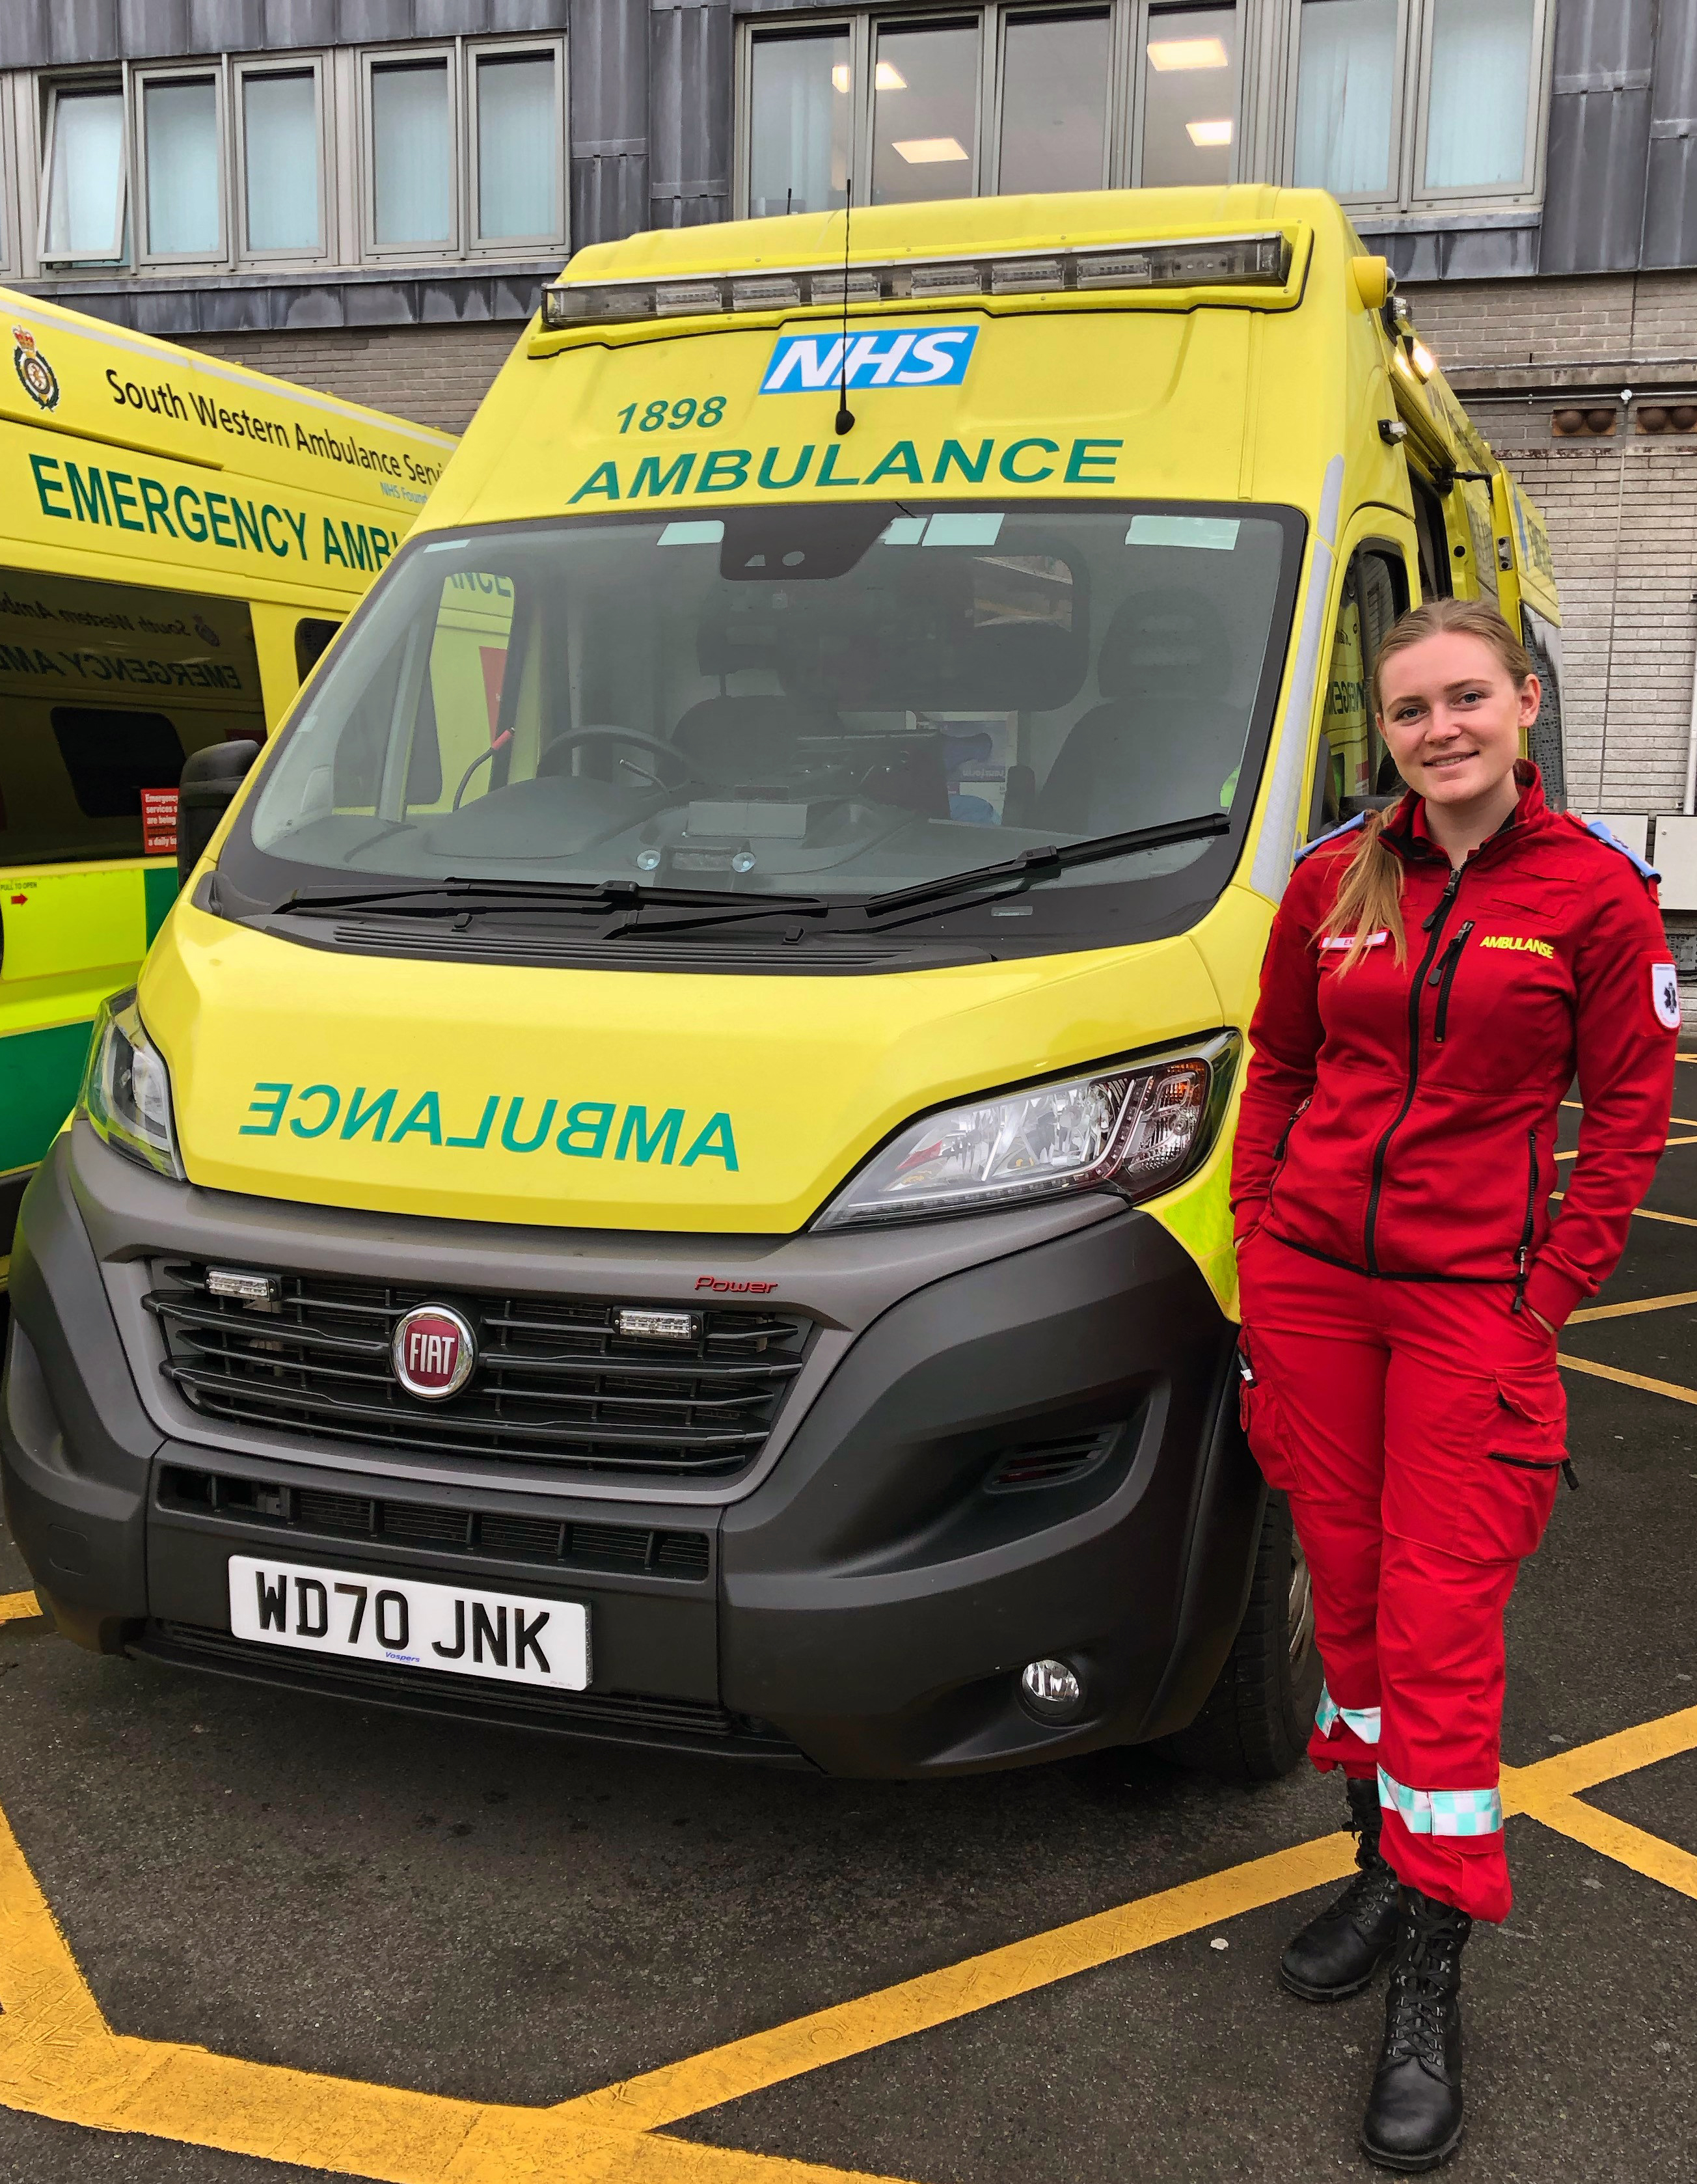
(841, 699)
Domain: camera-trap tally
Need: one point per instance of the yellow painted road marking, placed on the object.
(1625, 1311)
(917, 2005)
(59, 2057)
(1628, 1379)
(1567, 1774)
(1619, 1839)
(15, 1606)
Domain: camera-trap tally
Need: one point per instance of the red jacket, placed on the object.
(1401, 1120)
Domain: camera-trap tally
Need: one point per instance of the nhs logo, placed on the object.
(894, 356)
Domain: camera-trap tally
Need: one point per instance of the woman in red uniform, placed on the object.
(1435, 978)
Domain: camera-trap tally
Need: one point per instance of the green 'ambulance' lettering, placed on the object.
(591, 1127)
(123, 500)
(780, 469)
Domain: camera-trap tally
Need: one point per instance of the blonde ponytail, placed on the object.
(1369, 898)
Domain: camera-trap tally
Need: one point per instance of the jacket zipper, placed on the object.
(1296, 1115)
(1444, 977)
(1523, 1256)
(1433, 925)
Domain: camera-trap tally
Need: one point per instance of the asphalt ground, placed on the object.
(346, 1901)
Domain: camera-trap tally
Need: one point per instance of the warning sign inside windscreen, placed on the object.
(894, 356)
(159, 822)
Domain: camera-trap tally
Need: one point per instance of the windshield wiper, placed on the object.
(1034, 865)
(439, 897)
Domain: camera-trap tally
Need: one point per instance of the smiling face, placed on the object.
(1452, 719)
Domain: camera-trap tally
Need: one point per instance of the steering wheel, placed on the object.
(602, 734)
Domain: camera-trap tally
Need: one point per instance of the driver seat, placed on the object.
(1165, 740)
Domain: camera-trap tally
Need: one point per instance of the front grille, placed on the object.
(556, 1384)
(621, 1717)
(559, 1542)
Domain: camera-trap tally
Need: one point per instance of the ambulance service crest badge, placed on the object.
(40, 381)
(1664, 993)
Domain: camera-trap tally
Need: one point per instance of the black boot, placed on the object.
(1414, 2112)
(1340, 1948)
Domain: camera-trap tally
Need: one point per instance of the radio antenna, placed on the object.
(845, 415)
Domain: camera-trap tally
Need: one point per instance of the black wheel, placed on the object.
(1253, 1726)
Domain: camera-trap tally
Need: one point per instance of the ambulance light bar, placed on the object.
(1219, 261)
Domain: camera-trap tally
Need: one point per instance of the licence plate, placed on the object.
(410, 1623)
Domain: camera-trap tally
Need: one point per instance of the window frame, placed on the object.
(977, 14)
(244, 70)
(371, 59)
(1264, 132)
(1407, 196)
(1149, 12)
(1011, 12)
(1529, 188)
(475, 51)
(1128, 33)
(216, 71)
(52, 90)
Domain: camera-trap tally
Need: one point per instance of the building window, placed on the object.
(1190, 95)
(519, 166)
(801, 113)
(282, 162)
(1346, 72)
(465, 142)
(412, 153)
(83, 193)
(1009, 98)
(182, 170)
(451, 151)
(1054, 101)
(1401, 104)
(1481, 82)
(1392, 105)
(925, 112)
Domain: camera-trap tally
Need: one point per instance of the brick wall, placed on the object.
(434, 374)
(1588, 320)
(1622, 511)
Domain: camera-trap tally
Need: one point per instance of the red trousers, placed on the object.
(1418, 1428)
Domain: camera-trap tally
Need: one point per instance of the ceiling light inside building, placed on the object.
(927, 151)
(840, 78)
(1169, 54)
(1207, 135)
(889, 77)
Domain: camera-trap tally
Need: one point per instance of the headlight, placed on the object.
(126, 1093)
(1134, 1129)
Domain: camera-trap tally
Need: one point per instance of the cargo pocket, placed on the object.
(1511, 1488)
(1263, 1421)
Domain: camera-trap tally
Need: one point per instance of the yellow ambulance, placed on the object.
(179, 540)
(667, 1179)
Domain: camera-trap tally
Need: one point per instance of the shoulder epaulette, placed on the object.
(1606, 834)
(1350, 827)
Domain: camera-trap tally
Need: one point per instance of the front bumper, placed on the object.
(860, 1599)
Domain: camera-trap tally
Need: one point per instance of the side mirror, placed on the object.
(210, 779)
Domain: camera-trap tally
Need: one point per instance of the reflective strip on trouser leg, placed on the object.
(1364, 1720)
(1443, 1812)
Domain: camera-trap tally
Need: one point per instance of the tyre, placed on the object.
(1254, 1723)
